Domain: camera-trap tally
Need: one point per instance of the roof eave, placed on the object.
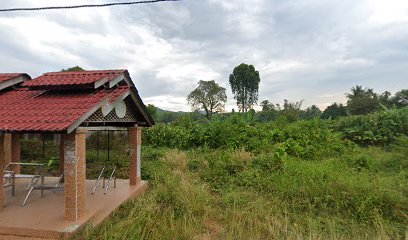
(135, 95)
(14, 81)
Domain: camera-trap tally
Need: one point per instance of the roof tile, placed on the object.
(70, 79)
(25, 109)
(7, 76)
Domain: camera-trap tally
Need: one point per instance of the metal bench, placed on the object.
(42, 186)
(10, 176)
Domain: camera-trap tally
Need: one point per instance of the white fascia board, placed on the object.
(116, 80)
(12, 82)
(100, 82)
(138, 104)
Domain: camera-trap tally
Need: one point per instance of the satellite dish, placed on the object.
(106, 109)
(120, 109)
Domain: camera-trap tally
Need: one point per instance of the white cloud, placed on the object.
(282, 66)
(385, 12)
(314, 50)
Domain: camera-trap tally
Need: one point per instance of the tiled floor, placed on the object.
(44, 217)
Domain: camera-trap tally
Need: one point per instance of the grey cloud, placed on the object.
(303, 49)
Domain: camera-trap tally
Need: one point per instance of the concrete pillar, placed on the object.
(135, 155)
(1, 171)
(12, 150)
(75, 174)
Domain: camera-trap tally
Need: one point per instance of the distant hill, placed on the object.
(167, 116)
(168, 111)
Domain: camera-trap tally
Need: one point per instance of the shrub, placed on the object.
(378, 128)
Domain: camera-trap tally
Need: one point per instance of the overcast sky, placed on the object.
(314, 50)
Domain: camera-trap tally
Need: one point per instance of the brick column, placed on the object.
(1, 172)
(61, 153)
(135, 155)
(75, 175)
(12, 150)
(7, 148)
(15, 153)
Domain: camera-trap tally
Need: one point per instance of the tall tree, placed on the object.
(152, 110)
(334, 111)
(73, 69)
(385, 99)
(291, 110)
(311, 112)
(266, 105)
(208, 96)
(400, 99)
(269, 111)
(362, 101)
(244, 81)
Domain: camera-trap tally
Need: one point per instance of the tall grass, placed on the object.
(238, 178)
(234, 194)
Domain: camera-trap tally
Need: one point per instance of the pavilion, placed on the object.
(69, 104)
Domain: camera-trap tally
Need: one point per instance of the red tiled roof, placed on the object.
(82, 78)
(25, 109)
(7, 76)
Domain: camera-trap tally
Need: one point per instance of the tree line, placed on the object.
(211, 97)
(244, 80)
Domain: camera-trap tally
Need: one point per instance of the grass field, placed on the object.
(238, 178)
(234, 194)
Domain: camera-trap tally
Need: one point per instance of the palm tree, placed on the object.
(356, 91)
(362, 101)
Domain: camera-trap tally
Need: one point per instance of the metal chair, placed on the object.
(10, 176)
(42, 186)
(101, 176)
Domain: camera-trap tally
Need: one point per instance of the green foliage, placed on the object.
(238, 178)
(385, 99)
(311, 112)
(33, 150)
(233, 194)
(167, 116)
(268, 106)
(152, 110)
(334, 111)
(266, 116)
(244, 81)
(308, 139)
(401, 98)
(377, 128)
(291, 110)
(362, 101)
(73, 69)
(208, 96)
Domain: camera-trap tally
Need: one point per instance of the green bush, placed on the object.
(378, 128)
(309, 139)
(351, 187)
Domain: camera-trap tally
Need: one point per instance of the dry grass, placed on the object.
(178, 159)
(242, 155)
(180, 205)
